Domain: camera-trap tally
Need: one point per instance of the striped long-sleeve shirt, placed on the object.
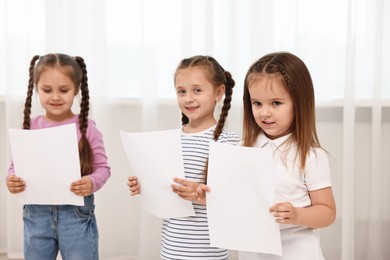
(188, 237)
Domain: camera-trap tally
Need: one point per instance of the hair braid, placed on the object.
(86, 155)
(30, 89)
(226, 105)
(184, 119)
(84, 106)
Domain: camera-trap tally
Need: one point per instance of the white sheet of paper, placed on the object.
(48, 161)
(156, 158)
(241, 180)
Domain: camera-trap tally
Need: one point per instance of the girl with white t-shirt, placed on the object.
(279, 112)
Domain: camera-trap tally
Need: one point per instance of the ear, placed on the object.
(220, 91)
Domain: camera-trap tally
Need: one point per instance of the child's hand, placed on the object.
(134, 186)
(186, 190)
(82, 187)
(15, 184)
(284, 213)
(201, 193)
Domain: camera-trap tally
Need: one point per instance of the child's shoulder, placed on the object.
(317, 156)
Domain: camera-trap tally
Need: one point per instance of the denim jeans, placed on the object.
(69, 229)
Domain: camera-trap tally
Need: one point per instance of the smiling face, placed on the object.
(272, 105)
(56, 93)
(197, 97)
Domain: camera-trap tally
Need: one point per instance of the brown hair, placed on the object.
(76, 69)
(217, 76)
(298, 83)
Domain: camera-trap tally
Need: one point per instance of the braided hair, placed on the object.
(76, 69)
(217, 77)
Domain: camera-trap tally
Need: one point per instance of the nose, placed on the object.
(265, 112)
(55, 96)
(189, 98)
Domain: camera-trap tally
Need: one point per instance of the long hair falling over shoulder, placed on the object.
(298, 83)
(75, 68)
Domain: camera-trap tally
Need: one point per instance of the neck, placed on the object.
(192, 127)
(58, 118)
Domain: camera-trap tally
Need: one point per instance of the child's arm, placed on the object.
(134, 186)
(186, 190)
(15, 184)
(101, 170)
(321, 213)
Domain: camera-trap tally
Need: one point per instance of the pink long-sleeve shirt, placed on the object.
(101, 170)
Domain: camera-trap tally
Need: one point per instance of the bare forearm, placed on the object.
(317, 216)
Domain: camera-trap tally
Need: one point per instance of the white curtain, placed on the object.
(131, 49)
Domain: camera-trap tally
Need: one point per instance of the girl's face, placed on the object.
(197, 97)
(272, 106)
(56, 93)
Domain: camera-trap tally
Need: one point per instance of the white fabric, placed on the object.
(297, 244)
(293, 186)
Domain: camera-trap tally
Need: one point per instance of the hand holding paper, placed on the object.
(134, 186)
(15, 184)
(82, 187)
(201, 193)
(185, 189)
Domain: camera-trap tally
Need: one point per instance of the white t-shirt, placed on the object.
(298, 242)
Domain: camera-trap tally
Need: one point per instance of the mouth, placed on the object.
(55, 105)
(192, 108)
(268, 122)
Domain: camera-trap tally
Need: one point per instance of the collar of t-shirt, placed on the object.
(263, 140)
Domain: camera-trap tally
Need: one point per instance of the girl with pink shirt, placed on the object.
(68, 229)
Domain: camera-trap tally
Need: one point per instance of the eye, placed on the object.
(197, 90)
(180, 91)
(276, 103)
(256, 103)
(64, 90)
(46, 90)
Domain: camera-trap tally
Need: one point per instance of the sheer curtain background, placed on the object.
(132, 48)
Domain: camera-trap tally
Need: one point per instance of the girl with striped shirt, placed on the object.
(200, 83)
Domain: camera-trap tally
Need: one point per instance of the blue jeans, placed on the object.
(69, 229)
